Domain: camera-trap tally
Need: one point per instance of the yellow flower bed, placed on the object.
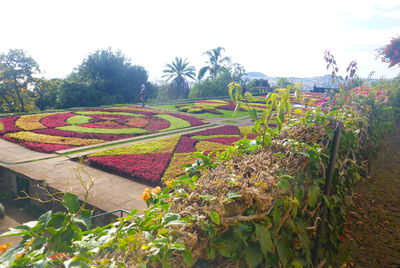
(175, 167)
(31, 122)
(152, 147)
(42, 138)
(206, 146)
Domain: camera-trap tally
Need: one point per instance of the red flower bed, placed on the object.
(64, 133)
(146, 167)
(132, 110)
(156, 123)
(45, 147)
(9, 124)
(56, 120)
(192, 120)
(212, 111)
(104, 124)
(224, 130)
(230, 107)
(186, 145)
(224, 140)
(251, 136)
(122, 116)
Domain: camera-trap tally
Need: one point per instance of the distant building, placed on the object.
(322, 89)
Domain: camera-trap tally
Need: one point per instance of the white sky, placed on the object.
(278, 38)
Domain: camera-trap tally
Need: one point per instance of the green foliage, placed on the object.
(47, 92)
(104, 77)
(283, 83)
(212, 87)
(216, 63)
(16, 79)
(178, 71)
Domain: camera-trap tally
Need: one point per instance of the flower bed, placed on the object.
(226, 108)
(178, 148)
(91, 126)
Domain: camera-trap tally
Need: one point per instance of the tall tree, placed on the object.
(216, 63)
(283, 82)
(16, 80)
(106, 74)
(178, 71)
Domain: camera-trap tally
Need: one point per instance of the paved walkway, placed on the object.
(372, 231)
(110, 192)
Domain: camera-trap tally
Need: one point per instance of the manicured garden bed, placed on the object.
(152, 161)
(50, 132)
(225, 108)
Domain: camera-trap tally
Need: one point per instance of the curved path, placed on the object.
(373, 226)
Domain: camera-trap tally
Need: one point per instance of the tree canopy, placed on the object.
(216, 63)
(178, 71)
(16, 80)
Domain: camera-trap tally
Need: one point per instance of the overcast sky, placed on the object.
(277, 38)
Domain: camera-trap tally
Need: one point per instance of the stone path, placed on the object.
(372, 230)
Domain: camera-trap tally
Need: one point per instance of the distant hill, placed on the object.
(308, 82)
(256, 75)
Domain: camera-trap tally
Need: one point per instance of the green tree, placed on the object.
(216, 63)
(178, 71)
(47, 91)
(283, 83)
(16, 80)
(212, 87)
(108, 76)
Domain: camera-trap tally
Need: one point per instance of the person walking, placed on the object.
(143, 94)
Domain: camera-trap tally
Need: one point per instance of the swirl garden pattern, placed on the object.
(150, 161)
(51, 132)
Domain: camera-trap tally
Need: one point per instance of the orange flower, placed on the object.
(145, 195)
(147, 190)
(5, 246)
(156, 190)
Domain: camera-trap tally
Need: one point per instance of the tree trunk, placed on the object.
(10, 106)
(21, 101)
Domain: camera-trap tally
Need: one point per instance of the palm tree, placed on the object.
(216, 63)
(178, 70)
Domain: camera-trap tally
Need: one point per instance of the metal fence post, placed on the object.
(327, 190)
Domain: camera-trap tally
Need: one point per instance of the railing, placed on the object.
(111, 212)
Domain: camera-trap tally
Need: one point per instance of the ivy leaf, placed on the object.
(77, 261)
(71, 202)
(283, 184)
(187, 258)
(232, 195)
(296, 264)
(208, 197)
(45, 218)
(169, 217)
(264, 237)
(276, 216)
(283, 252)
(85, 218)
(280, 155)
(214, 216)
(313, 194)
(253, 114)
(253, 255)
